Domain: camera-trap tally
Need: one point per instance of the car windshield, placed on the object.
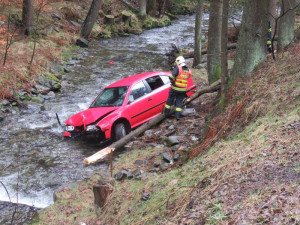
(110, 97)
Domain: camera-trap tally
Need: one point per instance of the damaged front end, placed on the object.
(90, 131)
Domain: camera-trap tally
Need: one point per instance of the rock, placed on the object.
(55, 16)
(2, 116)
(188, 111)
(171, 127)
(38, 99)
(51, 94)
(82, 42)
(55, 85)
(1, 23)
(42, 89)
(24, 96)
(167, 157)
(5, 102)
(172, 140)
(176, 157)
(145, 196)
(123, 174)
(164, 166)
(57, 71)
(141, 162)
(156, 164)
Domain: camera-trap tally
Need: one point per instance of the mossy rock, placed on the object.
(50, 76)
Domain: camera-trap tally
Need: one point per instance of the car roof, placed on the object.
(135, 78)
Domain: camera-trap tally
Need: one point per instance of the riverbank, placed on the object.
(250, 173)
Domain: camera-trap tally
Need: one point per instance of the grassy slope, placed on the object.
(251, 174)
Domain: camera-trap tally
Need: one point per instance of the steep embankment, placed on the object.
(250, 174)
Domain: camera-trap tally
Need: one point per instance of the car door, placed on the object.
(159, 86)
(139, 104)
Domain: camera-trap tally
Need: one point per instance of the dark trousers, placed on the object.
(177, 97)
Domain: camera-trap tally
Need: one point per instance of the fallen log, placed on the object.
(140, 130)
(204, 51)
(127, 4)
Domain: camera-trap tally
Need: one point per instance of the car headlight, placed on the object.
(91, 128)
(69, 128)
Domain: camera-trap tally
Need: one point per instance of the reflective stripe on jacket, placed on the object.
(181, 81)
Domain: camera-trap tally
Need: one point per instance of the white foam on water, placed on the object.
(39, 199)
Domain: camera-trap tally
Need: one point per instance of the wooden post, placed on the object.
(111, 163)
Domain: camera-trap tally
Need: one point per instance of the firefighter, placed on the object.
(179, 82)
(269, 41)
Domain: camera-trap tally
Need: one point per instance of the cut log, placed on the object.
(99, 155)
(140, 130)
(126, 17)
(109, 19)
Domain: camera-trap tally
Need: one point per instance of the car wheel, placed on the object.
(120, 131)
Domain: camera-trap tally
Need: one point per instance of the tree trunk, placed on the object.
(90, 19)
(151, 7)
(251, 45)
(272, 14)
(27, 16)
(224, 39)
(198, 34)
(214, 41)
(140, 130)
(143, 8)
(286, 24)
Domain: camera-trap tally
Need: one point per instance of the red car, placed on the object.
(122, 106)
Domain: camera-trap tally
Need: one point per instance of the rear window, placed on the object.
(155, 82)
(165, 79)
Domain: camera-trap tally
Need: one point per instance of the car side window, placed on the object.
(165, 79)
(138, 90)
(154, 82)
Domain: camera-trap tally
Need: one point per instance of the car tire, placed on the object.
(120, 131)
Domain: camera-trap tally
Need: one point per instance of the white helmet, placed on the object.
(180, 61)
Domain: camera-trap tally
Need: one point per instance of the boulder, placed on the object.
(2, 116)
(42, 89)
(82, 42)
(167, 157)
(141, 162)
(1, 23)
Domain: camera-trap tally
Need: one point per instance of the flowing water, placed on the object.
(34, 157)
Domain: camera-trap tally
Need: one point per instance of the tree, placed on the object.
(224, 39)
(272, 14)
(143, 8)
(198, 34)
(286, 24)
(151, 7)
(214, 41)
(27, 16)
(90, 19)
(251, 45)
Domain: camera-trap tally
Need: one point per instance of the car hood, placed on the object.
(89, 116)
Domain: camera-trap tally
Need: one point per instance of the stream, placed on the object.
(35, 158)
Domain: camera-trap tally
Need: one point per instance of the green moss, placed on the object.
(50, 76)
